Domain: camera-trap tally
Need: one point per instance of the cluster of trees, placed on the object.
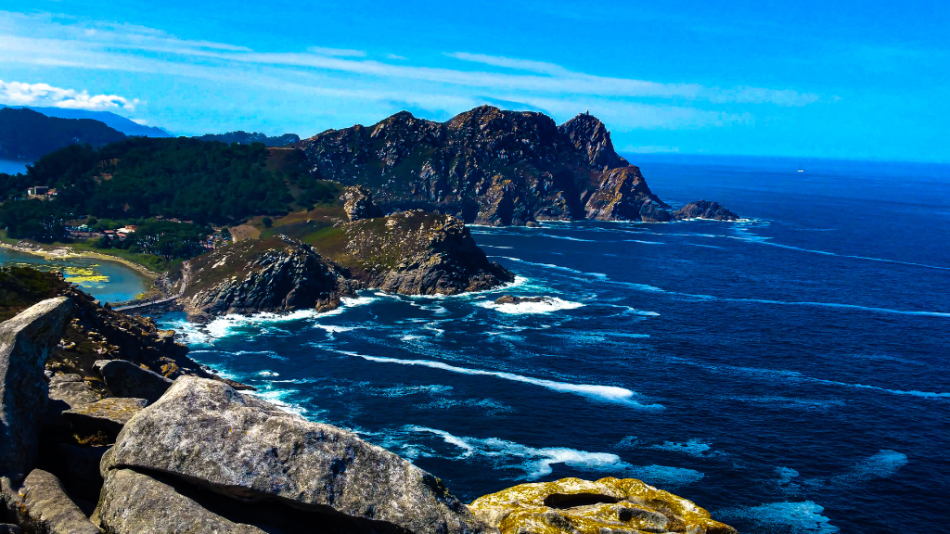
(134, 180)
(162, 238)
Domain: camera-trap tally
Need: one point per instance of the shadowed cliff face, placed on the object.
(487, 166)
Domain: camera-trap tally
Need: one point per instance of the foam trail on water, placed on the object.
(546, 306)
(552, 266)
(793, 517)
(536, 462)
(611, 394)
(765, 241)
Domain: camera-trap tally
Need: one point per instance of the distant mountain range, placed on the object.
(116, 122)
(26, 135)
(245, 138)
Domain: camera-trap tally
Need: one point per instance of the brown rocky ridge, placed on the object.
(489, 166)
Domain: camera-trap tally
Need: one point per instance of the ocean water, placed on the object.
(108, 281)
(790, 373)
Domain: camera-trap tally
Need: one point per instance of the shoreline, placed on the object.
(63, 252)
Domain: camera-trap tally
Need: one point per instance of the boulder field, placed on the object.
(142, 454)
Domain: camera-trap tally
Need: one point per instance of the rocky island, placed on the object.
(151, 448)
(489, 166)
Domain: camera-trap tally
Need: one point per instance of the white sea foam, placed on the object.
(278, 398)
(535, 462)
(693, 447)
(552, 266)
(884, 464)
(644, 242)
(664, 475)
(549, 305)
(267, 374)
(610, 394)
(751, 238)
(567, 238)
(794, 517)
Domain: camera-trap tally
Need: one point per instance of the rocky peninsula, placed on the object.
(144, 448)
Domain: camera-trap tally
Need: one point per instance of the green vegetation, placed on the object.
(21, 287)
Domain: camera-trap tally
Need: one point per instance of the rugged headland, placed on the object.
(335, 253)
(489, 166)
(119, 448)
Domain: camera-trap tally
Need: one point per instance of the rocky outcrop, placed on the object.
(206, 434)
(487, 166)
(704, 209)
(591, 137)
(125, 379)
(42, 506)
(358, 203)
(26, 341)
(624, 195)
(271, 275)
(419, 253)
(511, 299)
(134, 503)
(609, 505)
(107, 416)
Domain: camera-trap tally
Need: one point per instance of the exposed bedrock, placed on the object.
(609, 505)
(26, 341)
(209, 435)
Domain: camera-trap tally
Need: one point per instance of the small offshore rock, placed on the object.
(704, 209)
(26, 341)
(511, 299)
(125, 379)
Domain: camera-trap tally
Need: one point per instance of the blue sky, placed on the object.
(847, 79)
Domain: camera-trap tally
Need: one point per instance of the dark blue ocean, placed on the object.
(790, 373)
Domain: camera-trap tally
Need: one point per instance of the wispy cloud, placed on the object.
(459, 81)
(41, 94)
(336, 52)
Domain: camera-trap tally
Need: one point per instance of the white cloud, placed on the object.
(41, 94)
(336, 52)
(396, 57)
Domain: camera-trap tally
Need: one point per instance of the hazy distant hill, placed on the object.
(26, 135)
(116, 122)
(245, 138)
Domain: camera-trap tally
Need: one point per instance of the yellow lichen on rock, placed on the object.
(606, 506)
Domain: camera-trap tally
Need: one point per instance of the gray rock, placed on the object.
(358, 203)
(67, 391)
(107, 415)
(42, 506)
(237, 445)
(133, 503)
(7, 528)
(26, 341)
(125, 379)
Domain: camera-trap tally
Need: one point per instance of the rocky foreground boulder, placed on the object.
(609, 505)
(26, 341)
(205, 433)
